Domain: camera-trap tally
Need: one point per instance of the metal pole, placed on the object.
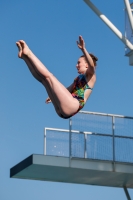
(45, 141)
(129, 12)
(113, 132)
(85, 145)
(127, 193)
(70, 129)
(110, 25)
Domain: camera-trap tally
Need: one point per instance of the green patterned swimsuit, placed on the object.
(80, 85)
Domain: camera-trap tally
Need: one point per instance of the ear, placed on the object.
(86, 65)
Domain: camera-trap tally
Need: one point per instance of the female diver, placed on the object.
(67, 101)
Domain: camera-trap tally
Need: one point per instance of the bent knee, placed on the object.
(70, 109)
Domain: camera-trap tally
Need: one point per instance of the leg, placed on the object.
(60, 96)
(33, 71)
(57, 109)
(39, 78)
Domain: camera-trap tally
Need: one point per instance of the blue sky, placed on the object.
(51, 29)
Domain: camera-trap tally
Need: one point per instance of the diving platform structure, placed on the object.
(127, 38)
(97, 149)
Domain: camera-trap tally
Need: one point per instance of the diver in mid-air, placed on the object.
(67, 101)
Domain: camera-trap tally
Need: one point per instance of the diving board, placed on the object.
(97, 149)
(74, 170)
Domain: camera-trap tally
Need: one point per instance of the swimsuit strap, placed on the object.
(87, 86)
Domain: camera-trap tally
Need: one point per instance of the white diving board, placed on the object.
(74, 170)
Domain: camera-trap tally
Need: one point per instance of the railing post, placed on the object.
(45, 141)
(113, 134)
(70, 129)
(85, 145)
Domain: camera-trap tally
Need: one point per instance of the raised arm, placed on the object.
(81, 45)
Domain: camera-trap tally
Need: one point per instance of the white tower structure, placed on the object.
(127, 39)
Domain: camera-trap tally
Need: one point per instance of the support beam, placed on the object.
(109, 24)
(127, 194)
(129, 12)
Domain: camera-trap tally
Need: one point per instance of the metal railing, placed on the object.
(93, 135)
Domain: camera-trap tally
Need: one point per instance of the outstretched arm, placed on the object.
(81, 45)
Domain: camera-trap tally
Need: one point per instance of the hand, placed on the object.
(48, 100)
(81, 43)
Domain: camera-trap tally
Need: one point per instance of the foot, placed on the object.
(23, 49)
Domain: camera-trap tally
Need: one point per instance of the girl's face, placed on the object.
(81, 65)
